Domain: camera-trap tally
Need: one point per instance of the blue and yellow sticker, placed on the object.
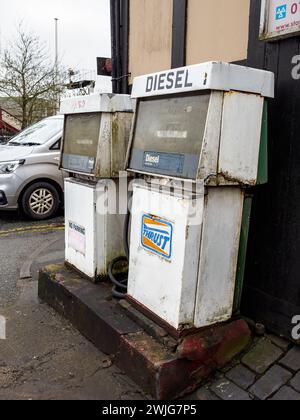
(157, 236)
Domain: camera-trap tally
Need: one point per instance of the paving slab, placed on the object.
(204, 394)
(262, 356)
(280, 342)
(295, 382)
(286, 394)
(292, 359)
(241, 376)
(271, 382)
(228, 391)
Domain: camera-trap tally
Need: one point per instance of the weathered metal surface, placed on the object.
(209, 161)
(107, 103)
(242, 253)
(205, 76)
(227, 148)
(263, 163)
(240, 137)
(108, 146)
(165, 285)
(93, 238)
(80, 210)
(195, 286)
(113, 143)
(219, 256)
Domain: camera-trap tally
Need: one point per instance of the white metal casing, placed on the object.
(112, 138)
(232, 138)
(206, 76)
(194, 288)
(218, 260)
(104, 102)
(93, 238)
(240, 139)
(231, 142)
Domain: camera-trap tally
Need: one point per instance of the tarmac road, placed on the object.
(19, 238)
(43, 356)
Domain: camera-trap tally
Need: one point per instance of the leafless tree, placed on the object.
(29, 79)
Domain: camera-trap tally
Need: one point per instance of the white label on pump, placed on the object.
(172, 134)
(77, 238)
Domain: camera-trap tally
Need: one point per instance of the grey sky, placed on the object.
(84, 27)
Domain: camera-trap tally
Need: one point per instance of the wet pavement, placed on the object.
(43, 356)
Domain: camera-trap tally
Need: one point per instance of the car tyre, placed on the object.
(40, 201)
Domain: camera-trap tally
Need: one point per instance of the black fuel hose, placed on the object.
(119, 290)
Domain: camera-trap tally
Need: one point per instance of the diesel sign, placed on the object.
(207, 76)
(167, 81)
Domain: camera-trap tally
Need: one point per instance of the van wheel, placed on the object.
(40, 201)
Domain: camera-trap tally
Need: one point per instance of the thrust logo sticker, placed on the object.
(157, 236)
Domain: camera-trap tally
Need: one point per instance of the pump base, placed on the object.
(151, 364)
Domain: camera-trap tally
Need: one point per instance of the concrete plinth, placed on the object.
(152, 365)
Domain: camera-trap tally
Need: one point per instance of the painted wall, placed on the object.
(217, 30)
(150, 36)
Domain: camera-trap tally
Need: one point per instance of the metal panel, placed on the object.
(168, 135)
(96, 103)
(103, 227)
(206, 76)
(103, 163)
(242, 253)
(121, 128)
(240, 138)
(263, 163)
(211, 142)
(111, 149)
(109, 227)
(113, 144)
(165, 284)
(80, 210)
(219, 255)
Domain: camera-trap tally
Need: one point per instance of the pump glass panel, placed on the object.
(169, 135)
(81, 139)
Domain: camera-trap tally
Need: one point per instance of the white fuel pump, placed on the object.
(196, 145)
(95, 141)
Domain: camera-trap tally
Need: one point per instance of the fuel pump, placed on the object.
(95, 141)
(196, 147)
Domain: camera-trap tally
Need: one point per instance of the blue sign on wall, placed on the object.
(281, 12)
